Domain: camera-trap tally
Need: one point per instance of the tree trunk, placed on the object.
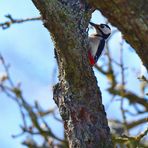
(77, 94)
(131, 18)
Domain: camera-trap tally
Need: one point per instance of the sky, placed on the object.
(29, 49)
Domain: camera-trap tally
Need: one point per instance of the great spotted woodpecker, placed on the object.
(97, 41)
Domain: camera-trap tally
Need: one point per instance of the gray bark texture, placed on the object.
(77, 94)
(131, 18)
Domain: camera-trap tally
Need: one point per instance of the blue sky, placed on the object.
(29, 50)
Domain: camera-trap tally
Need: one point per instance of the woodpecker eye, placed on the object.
(102, 26)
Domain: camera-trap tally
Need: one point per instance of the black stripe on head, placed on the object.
(102, 25)
(104, 36)
(107, 26)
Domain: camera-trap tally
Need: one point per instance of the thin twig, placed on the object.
(7, 24)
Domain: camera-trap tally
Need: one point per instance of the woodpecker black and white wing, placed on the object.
(94, 42)
(99, 50)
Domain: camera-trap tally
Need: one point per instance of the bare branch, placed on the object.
(7, 24)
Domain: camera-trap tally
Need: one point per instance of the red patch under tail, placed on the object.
(91, 59)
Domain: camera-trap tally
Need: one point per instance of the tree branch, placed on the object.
(7, 24)
(131, 18)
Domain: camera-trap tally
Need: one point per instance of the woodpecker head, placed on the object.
(102, 30)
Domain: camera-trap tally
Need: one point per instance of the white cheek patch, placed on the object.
(106, 30)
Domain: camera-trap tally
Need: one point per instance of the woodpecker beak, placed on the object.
(94, 25)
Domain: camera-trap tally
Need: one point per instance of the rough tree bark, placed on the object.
(131, 17)
(77, 94)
